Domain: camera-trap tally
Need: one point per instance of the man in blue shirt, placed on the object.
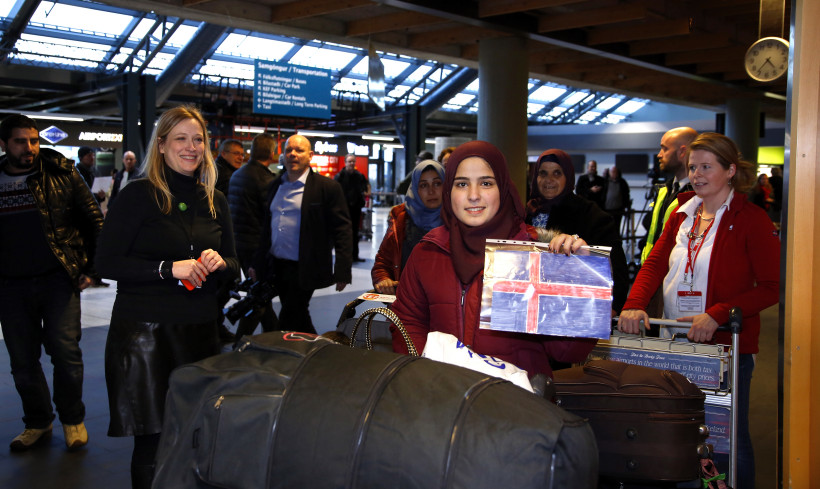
(307, 220)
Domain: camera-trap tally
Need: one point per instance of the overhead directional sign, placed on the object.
(292, 90)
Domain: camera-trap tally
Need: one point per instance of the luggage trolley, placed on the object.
(705, 365)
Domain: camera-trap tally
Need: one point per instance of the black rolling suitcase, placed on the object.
(293, 410)
(646, 421)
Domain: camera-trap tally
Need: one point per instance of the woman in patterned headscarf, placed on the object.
(554, 206)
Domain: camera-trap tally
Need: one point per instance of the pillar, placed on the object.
(743, 126)
(502, 101)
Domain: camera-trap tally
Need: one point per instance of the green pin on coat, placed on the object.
(183, 206)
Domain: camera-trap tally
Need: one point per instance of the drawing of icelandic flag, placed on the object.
(546, 293)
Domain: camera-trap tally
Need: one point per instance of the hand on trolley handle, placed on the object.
(701, 327)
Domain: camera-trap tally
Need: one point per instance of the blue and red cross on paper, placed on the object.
(544, 293)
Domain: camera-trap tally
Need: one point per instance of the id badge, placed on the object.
(690, 301)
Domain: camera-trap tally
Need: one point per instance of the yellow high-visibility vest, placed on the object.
(656, 227)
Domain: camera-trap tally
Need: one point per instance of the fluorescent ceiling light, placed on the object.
(253, 129)
(394, 146)
(374, 137)
(316, 134)
(429, 141)
(57, 117)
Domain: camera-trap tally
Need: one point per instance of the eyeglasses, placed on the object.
(236, 153)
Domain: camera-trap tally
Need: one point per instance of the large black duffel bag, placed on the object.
(297, 411)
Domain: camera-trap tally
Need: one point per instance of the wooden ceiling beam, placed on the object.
(584, 67)
(311, 8)
(457, 35)
(705, 56)
(490, 8)
(391, 22)
(718, 67)
(638, 31)
(554, 56)
(676, 44)
(588, 18)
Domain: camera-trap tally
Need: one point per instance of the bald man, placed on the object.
(672, 159)
(306, 220)
(128, 173)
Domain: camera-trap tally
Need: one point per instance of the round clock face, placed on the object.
(767, 59)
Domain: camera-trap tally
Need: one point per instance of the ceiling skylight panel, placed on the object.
(608, 104)
(181, 36)
(533, 108)
(630, 107)
(419, 73)
(351, 85)
(253, 47)
(321, 58)
(547, 93)
(393, 68)
(574, 99)
(70, 16)
(227, 69)
(62, 47)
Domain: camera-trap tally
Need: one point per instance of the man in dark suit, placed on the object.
(306, 220)
(591, 185)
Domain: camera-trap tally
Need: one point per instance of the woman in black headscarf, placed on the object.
(554, 206)
(441, 284)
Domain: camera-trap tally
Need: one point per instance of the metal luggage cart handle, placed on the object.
(370, 314)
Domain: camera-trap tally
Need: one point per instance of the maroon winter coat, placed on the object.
(388, 260)
(432, 298)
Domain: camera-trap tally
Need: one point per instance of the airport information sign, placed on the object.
(291, 90)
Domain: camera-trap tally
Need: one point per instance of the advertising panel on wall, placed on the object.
(291, 90)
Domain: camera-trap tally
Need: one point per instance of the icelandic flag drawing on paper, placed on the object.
(545, 293)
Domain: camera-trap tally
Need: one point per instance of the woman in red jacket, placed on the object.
(408, 223)
(441, 284)
(717, 251)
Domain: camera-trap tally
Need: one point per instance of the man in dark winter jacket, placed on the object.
(355, 187)
(247, 198)
(48, 231)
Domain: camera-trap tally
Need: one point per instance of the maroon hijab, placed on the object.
(467, 242)
(540, 204)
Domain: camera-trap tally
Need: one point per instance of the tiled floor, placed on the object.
(104, 463)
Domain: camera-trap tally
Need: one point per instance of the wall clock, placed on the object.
(767, 59)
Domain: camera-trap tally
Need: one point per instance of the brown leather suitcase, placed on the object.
(646, 421)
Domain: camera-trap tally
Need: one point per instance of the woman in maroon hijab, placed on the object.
(442, 281)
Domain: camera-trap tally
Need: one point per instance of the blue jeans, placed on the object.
(44, 310)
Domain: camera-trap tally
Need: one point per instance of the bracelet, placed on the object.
(159, 270)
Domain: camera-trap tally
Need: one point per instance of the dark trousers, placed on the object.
(265, 315)
(745, 451)
(356, 221)
(295, 313)
(44, 312)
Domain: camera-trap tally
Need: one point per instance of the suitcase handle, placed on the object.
(392, 317)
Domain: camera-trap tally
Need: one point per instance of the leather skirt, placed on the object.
(139, 358)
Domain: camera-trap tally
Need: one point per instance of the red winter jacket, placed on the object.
(432, 298)
(388, 259)
(744, 270)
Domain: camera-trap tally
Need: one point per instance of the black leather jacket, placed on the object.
(70, 216)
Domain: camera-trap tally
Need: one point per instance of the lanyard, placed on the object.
(693, 249)
(182, 206)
